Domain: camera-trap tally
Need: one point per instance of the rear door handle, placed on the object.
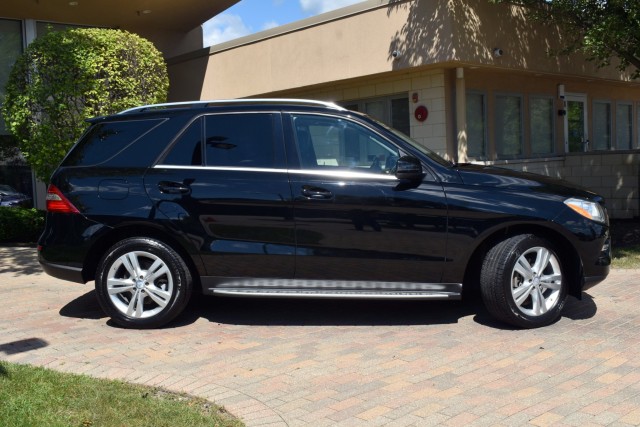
(169, 187)
(316, 193)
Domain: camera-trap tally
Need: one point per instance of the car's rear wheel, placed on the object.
(522, 282)
(142, 283)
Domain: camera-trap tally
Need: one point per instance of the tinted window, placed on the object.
(105, 140)
(240, 140)
(326, 142)
(187, 150)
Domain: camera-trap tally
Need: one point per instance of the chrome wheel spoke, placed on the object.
(158, 269)
(521, 293)
(542, 260)
(130, 262)
(524, 269)
(159, 296)
(538, 301)
(118, 286)
(135, 308)
(552, 281)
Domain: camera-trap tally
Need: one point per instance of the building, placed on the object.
(472, 80)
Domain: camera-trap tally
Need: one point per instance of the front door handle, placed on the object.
(169, 187)
(316, 193)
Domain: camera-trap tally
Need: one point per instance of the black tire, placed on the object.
(522, 282)
(156, 295)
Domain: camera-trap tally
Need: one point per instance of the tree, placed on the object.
(64, 78)
(600, 29)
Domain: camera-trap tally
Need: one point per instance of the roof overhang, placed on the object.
(132, 15)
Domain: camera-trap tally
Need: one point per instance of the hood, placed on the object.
(492, 176)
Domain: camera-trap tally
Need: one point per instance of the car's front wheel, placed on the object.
(522, 282)
(142, 283)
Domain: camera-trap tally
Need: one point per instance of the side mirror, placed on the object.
(409, 167)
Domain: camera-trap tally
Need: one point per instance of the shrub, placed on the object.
(66, 77)
(20, 225)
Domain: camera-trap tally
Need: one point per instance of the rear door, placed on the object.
(355, 221)
(223, 184)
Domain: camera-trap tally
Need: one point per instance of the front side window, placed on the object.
(335, 143)
(240, 140)
(508, 130)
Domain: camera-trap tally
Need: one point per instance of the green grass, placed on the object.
(626, 257)
(32, 396)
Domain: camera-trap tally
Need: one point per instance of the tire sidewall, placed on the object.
(180, 276)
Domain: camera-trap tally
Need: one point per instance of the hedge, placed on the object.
(19, 225)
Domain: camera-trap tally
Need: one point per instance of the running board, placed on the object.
(296, 288)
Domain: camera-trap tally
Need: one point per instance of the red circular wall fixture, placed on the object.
(421, 113)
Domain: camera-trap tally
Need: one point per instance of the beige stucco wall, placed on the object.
(427, 33)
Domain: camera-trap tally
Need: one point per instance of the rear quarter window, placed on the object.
(105, 140)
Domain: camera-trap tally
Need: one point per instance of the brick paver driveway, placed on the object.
(292, 362)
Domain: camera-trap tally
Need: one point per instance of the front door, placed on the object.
(355, 221)
(575, 124)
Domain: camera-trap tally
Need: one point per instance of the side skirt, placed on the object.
(297, 288)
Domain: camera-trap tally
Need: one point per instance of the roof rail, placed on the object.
(197, 104)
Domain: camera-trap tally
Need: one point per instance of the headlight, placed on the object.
(587, 209)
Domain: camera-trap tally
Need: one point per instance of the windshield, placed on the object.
(413, 143)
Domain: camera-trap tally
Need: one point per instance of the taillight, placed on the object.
(56, 202)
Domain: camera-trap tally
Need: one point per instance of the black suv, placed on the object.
(294, 198)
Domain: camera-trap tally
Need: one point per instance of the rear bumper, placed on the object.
(60, 271)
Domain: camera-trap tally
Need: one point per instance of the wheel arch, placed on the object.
(571, 263)
(102, 245)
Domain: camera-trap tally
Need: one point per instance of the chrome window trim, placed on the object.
(327, 173)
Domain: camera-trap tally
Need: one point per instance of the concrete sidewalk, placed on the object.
(326, 363)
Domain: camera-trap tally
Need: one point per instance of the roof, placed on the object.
(130, 15)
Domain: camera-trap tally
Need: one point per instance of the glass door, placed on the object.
(576, 135)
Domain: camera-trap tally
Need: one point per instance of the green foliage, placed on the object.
(600, 29)
(40, 397)
(20, 225)
(66, 77)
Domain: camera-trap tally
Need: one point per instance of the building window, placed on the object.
(392, 110)
(10, 49)
(542, 117)
(624, 126)
(601, 139)
(508, 130)
(476, 125)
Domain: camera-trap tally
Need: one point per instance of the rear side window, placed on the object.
(104, 140)
(240, 140)
(187, 150)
